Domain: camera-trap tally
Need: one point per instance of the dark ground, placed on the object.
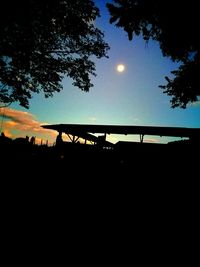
(134, 159)
(141, 189)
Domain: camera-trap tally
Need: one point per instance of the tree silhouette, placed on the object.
(175, 25)
(41, 41)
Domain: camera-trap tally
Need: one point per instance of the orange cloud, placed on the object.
(15, 123)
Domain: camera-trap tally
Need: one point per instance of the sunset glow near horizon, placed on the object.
(129, 97)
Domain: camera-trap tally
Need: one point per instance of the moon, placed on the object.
(120, 67)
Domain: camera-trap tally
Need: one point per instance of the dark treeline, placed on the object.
(120, 155)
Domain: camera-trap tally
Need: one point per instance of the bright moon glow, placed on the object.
(120, 68)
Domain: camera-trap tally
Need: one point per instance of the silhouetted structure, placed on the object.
(32, 140)
(125, 154)
(103, 155)
(59, 139)
(86, 131)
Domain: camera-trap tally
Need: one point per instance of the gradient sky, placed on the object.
(128, 98)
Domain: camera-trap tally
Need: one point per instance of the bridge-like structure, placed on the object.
(87, 131)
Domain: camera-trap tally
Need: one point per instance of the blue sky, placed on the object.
(128, 98)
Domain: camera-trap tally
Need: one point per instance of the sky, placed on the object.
(131, 97)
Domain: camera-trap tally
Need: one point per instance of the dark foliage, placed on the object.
(175, 25)
(41, 41)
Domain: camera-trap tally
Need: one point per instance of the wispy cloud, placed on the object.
(195, 104)
(92, 119)
(136, 120)
(15, 123)
(151, 140)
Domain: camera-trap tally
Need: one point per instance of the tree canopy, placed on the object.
(41, 41)
(175, 25)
